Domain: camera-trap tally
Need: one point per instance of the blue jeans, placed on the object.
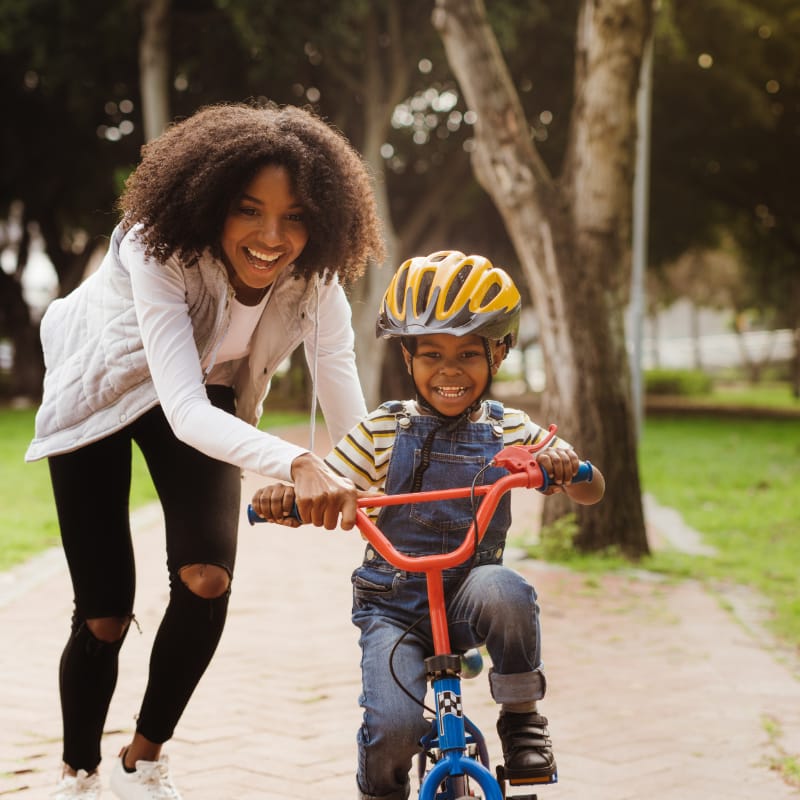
(494, 606)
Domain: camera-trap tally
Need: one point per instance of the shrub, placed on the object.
(677, 382)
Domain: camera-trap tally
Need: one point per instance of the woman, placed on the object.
(237, 227)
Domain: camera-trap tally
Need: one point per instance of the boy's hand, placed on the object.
(561, 465)
(274, 503)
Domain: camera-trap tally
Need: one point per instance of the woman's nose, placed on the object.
(272, 230)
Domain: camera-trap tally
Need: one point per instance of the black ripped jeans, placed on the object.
(200, 498)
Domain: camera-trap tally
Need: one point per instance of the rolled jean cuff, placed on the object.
(518, 687)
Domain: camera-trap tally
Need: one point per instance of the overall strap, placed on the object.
(394, 406)
(495, 410)
(400, 411)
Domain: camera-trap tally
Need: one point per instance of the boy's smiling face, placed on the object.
(452, 372)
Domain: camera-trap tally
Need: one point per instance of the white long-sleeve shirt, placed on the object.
(137, 332)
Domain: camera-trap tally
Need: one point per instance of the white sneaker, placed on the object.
(82, 786)
(150, 781)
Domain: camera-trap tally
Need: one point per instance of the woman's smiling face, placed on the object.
(452, 372)
(264, 231)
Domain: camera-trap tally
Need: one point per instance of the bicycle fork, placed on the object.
(451, 724)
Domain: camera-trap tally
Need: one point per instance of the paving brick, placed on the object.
(654, 689)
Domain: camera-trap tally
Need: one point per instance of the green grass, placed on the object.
(734, 480)
(27, 516)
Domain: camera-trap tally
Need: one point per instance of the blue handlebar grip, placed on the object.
(252, 517)
(584, 474)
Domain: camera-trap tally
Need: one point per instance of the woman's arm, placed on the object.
(174, 363)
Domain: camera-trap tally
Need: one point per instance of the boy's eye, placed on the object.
(471, 354)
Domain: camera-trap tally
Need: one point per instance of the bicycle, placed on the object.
(455, 746)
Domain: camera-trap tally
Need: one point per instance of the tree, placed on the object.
(571, 232)
(726, 125)
(154, 66)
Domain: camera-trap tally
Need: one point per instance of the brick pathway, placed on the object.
(655, 690)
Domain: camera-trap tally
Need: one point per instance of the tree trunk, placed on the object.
(572, 236)
(368, 292)
(154, 66)
(383, 87)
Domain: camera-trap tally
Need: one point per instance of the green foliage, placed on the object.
(723, 165)
(556, 540)
(682, 382)
(555, 543)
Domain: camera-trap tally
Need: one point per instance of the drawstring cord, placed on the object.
(313, 421)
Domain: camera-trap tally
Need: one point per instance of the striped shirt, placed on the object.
(363, 455)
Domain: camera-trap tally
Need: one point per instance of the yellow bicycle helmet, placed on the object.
(449, 292)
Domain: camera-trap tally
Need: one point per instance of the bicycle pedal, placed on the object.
(504, 779)
(532, 781)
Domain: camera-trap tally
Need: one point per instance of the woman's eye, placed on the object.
(247, 211)
(296, 217)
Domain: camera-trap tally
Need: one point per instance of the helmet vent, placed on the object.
(491, 293)
(455, 286)
(424, 295)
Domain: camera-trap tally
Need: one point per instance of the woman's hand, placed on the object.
(321, 495)
(274, 503)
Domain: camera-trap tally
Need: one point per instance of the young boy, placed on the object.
(456, 316)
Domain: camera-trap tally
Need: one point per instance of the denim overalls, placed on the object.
(486, 602)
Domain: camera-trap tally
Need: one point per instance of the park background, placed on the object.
(631, 163)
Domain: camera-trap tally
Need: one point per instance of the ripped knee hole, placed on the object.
(108, 629)
(205, 580)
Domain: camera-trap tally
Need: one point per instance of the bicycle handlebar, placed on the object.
(524, 471)
(527, 474)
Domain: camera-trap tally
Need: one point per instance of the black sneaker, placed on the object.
(527, 751)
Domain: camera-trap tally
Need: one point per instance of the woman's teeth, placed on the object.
(263, 259)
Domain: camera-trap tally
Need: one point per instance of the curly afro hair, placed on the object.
(189, 176)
